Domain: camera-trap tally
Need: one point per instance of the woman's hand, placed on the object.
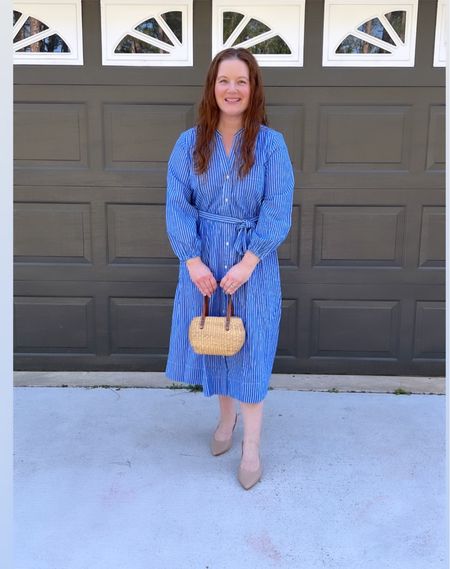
(239, 273)
(201, 276)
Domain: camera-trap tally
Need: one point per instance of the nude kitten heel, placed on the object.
(219, 447)
(249, 478)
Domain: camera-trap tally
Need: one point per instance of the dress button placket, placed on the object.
(227, 177)
(227, 243)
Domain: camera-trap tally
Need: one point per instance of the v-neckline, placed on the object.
(228, 156)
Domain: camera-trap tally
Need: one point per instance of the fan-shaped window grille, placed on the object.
(50, 44)
(153, 28)
(30, 28)
(273, 32)
(363, 32)
(146, 33)
(375, 28)
(253, 29)
(251, 33)
(47, 33)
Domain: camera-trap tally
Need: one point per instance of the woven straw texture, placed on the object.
(214, 340)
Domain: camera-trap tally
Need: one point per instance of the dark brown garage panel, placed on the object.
(363, 265)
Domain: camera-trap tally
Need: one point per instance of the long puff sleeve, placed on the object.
(276, 208)
(181, 215)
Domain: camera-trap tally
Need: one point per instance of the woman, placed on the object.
(229, 201)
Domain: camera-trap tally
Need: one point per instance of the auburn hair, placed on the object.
(209, 113)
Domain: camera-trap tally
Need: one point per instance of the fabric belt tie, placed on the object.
(242, 225)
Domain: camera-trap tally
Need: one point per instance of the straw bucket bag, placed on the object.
(217, 335)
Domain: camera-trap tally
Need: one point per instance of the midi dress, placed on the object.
(218, 216)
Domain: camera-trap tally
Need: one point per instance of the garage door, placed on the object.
(363, 266)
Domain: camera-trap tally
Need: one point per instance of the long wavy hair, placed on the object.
(209, 113)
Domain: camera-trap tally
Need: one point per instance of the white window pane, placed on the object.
(370, 34)
(146, 33)
(273, 32)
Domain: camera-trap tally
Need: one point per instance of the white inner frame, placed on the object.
(343, 17)
(286, 19)
(62, 17)
(441, 35)
(120, 17)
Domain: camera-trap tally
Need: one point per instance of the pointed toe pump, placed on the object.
(249, 478)
(219, 447)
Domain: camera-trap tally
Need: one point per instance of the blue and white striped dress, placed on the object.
(250, 214)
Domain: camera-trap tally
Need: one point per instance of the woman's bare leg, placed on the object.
(227, 418)
(252, 414)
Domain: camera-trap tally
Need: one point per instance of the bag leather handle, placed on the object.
(205, 311)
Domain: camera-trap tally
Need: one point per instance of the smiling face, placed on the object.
(232, 87)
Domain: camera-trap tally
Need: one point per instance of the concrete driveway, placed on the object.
(122, 478)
